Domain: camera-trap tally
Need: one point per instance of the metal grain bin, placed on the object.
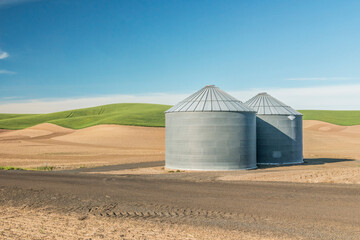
(210, 130)
(278, 130)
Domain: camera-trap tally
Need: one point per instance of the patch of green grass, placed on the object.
(136, 114)
(8, 168)
(344, 118)
(8, 115)
(44, 168)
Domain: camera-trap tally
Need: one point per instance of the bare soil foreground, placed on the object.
(77, 206)
(109, 183)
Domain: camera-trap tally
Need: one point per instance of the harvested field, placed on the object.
(332, 152)
(326, 140)
(125, 137)
(50, 145)
(110, 183)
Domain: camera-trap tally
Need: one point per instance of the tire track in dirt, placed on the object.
(283, 209)
(172, 213)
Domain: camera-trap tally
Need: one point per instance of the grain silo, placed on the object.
(278, 130)
(210, 130)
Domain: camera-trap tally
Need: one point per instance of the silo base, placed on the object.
(212, 170)
(280, 164)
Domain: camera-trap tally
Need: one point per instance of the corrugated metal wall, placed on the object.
(279, 139)
(210, 140)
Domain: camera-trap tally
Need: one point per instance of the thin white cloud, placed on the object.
(7, 72)
(3, 54)
(321, 79)
(339, 97)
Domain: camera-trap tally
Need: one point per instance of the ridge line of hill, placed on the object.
(140, 114)
(134, 114)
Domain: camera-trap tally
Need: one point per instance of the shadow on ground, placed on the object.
(312, 161)
(307, 161)
(317, 161)
(118, 167)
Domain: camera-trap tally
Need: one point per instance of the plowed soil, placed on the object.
(109, 183)
(50, 145)
(238, 210)
(325, 140)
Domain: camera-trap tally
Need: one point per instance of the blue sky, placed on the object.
(63, 49)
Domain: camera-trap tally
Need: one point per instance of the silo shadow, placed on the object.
(320, 161)
(311, 162)
(274, 146)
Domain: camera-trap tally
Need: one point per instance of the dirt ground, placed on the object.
(18, 223)
(68, 205)
(51, 145)
(332, 153)
(110, 183)
(325, 140)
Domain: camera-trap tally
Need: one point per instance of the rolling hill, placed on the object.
(140, 114)
(343, 118)
(137, 114)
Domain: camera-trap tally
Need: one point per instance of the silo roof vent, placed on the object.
(265, 104)
(210, 99)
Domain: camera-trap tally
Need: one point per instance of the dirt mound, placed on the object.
(51, 145)
(4, 131)
(315, 125)
(39, 130)
(326, 140)
(51, 128)
(119, 136)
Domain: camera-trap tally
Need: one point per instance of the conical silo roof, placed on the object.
(210, 99)
(265, 104)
